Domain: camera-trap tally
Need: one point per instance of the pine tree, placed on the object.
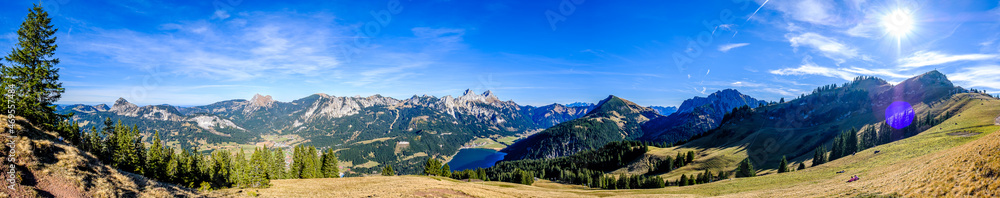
(298, 165)
(387, 171)
(745, 169)
(838, 147)
(221, 168)
(851, 142)
(801, 166)
(278, 164)
(32, 72)
(432, 167)
(156, 163)
(690, 157)
(482, 174)
(820, 156)
(783, 167)
(446, 171)
(683, 181)
(257, 171)
(329, 167)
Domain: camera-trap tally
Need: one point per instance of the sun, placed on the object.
(898, 23)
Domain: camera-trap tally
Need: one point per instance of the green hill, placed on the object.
(614, 119)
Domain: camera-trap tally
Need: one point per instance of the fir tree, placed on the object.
(683, 181)
(690, 157)
(278, 164)
(745, 169)
(387, 171)
(432, 167)
(783, 167)
(446, 171)
(801, 166)
(329, 168)
(32, 72)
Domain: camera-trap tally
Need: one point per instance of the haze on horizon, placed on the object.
(534, 53)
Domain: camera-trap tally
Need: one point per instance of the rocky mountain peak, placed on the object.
(468, 92)
(123, 107)
(121, 101)
(725, 99)
(261, 101)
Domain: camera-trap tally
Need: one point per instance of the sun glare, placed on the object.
(898, 23)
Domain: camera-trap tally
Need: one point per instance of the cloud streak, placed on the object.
(727, 47)
(928, 58)
(829, 47)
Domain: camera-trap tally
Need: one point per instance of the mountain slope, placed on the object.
(48, 167)
(613, 119)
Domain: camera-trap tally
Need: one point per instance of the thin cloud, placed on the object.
(809, 68)
(987, 76)
(745, 84)
(727, 47)
(928, 58)
(829, 47)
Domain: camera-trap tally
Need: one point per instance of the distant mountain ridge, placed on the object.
(697, 115)
(613, 119)
(664, 110)
(364, 129)
(616, 119)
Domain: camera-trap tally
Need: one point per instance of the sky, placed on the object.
(532, 52)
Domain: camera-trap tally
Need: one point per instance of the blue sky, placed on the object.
(532, 52)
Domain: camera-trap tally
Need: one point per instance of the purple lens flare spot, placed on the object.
(899, 114)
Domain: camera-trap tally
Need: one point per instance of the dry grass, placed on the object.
(404, 186)
(48, 167)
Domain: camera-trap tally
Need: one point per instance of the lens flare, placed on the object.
(899, 114)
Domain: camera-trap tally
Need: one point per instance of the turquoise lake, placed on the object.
(472, 158)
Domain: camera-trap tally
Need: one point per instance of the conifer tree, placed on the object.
(432, 167)
(745, 169)
(329, 168)
(278, 164)
(298, 165)
(690, 157)
(851, 142)
(446, 171)
(387, 171)
(313, 163)
(783, 167)
(838, 147)
(32, 72)
(683, 181)
(819, 157)
(257, 171)
(801, 166)
(156, 163)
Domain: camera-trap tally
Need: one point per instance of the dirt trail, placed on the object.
(997, 121)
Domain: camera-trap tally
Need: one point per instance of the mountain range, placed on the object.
(365, 130)
(617, 119)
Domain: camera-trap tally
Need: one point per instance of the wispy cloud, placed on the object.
(810, 11)
(745, 84)
(727, 47)
(809, 68)
(829, 47)
(987, 76)
(928, 58)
